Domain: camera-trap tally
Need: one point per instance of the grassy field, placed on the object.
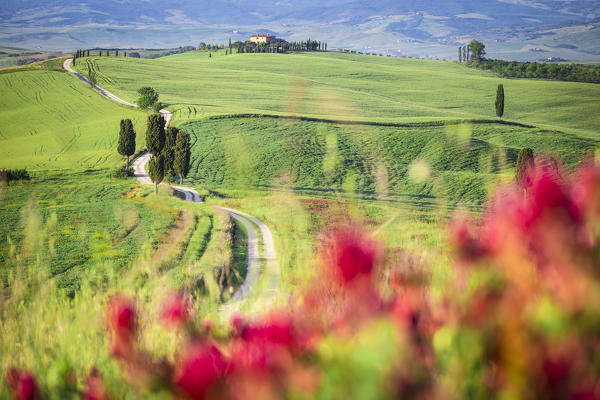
(51, 120)
(462, 162)
(71, 238)
(350, 87)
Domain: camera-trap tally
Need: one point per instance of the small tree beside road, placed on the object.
(148, 97)
(156, 171)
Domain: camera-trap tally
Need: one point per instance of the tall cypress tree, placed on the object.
(181, 164)
(500, 101)
(459, 55)
(126, 140)
(169, 150)
(156, 171)
(155, 134)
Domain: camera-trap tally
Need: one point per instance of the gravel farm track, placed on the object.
(272, 273)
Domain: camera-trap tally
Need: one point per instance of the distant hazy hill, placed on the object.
(523, 29)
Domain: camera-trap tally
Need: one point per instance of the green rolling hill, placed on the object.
(51, 120)
(347, 87)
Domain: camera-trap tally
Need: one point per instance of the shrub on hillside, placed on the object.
(7, 175)
(122, 173)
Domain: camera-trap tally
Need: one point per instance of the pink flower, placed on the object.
(121, 317)
(22, 384)
(351, 254)
(176, 311)
(276, 330)
(200, 368)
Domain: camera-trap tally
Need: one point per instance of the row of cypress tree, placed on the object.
(169, 149)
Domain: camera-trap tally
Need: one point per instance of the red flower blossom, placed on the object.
(22, 384)
(199, 369)
(176, 311)
(121, 319)
(351, 255)
(278, 329)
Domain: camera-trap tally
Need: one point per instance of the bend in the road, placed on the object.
(191, 195)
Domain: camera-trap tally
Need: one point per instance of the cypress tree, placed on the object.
(156, 171)
(459, 55)
(155, 134)
(181, 164)
(525, 162)
(126, 140)
(464, 51)
(125, 55)
(169, 150)
(500, 101)
(88, 53)
(100, 53)
(117, 53)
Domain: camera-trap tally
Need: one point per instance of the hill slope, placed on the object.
(51, 120)
(344, 86)
(461, 162)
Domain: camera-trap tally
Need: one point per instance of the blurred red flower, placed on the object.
(351, 254)
(176, 311)
(22, 384)
(200, 367)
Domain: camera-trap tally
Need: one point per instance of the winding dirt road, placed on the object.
(272, 278)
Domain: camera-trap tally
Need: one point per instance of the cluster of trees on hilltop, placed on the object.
(278, 47)
(558, 72)
(473, 53)
(212, 47)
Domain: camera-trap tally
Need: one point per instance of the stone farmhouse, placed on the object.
(268, 39)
